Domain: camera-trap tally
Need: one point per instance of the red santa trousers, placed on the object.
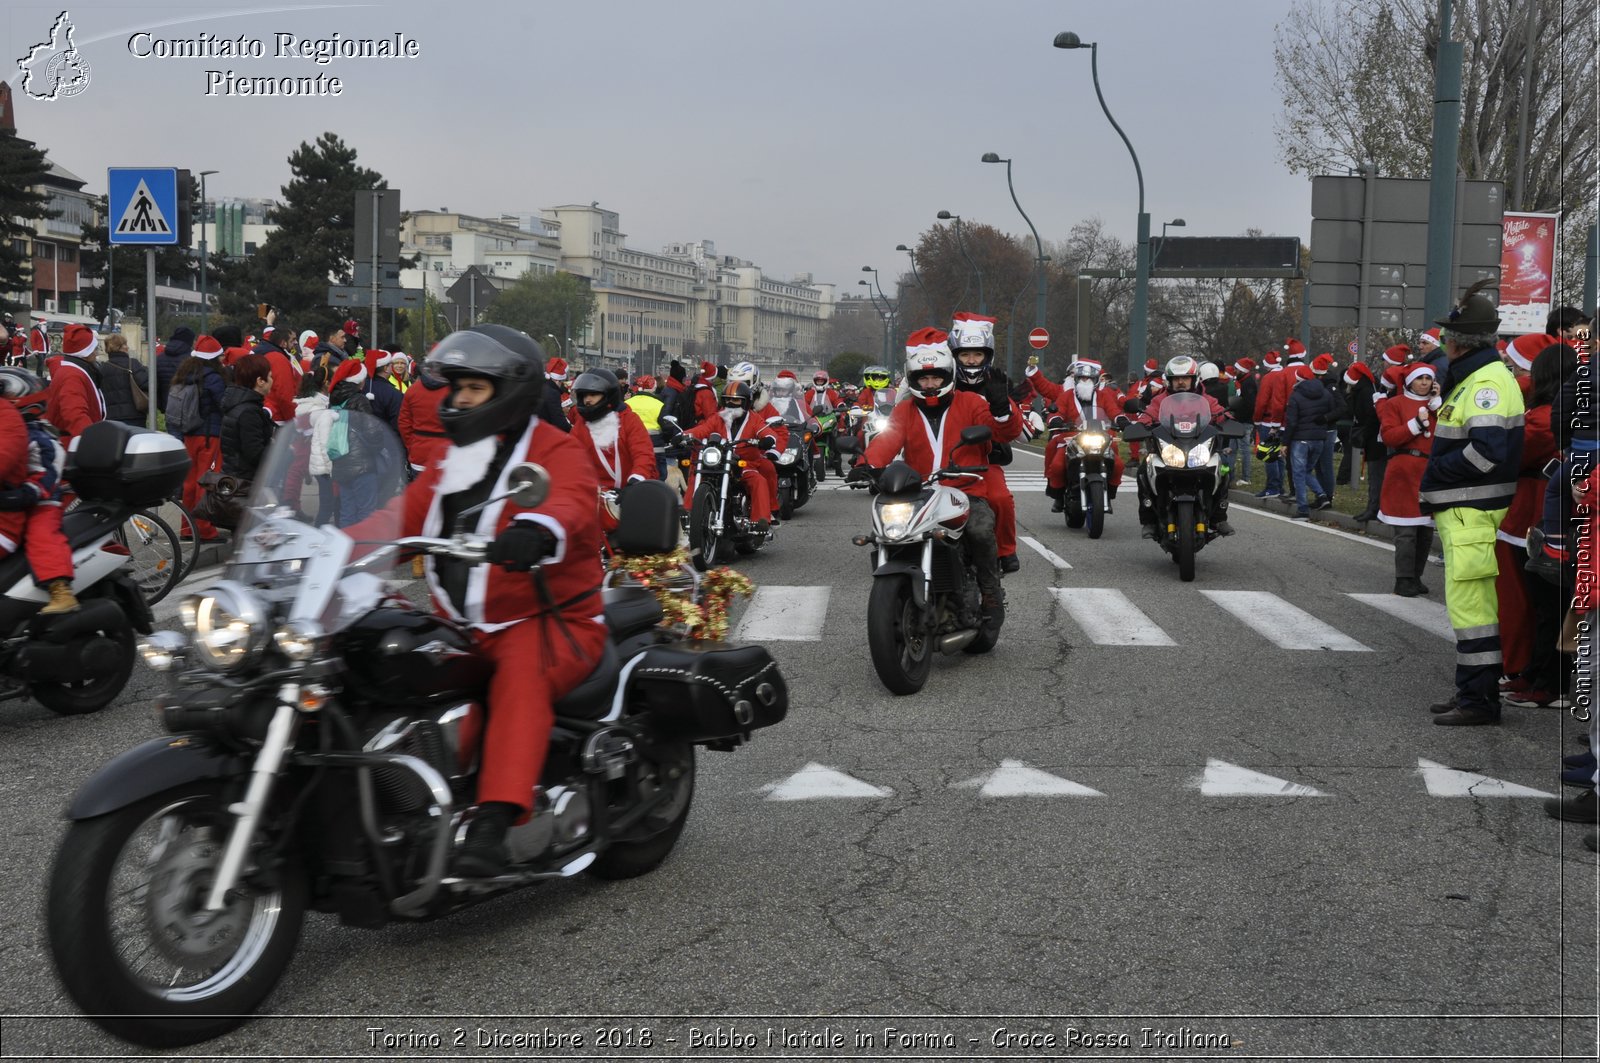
(205, 454)
(1516, 617)
(38, 531)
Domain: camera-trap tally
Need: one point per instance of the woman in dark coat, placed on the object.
(246, 424)
(118, 379)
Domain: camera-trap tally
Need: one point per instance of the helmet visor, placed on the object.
(469, 353)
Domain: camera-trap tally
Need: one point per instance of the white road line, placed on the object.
(1045, 552)
(1380, 544)
(1222, 779)
(1109, 618)
(784, 614)
(1286, 626)
(1431, 617)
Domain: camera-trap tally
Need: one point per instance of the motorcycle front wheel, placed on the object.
(129, 933)
(902, 652)
(1095, 518)
(1183, 548)
(704, 545)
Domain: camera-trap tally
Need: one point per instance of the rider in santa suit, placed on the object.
(617, 441)
(972, 343)
(738, 422)
(822, 396)
(1084, 401)
(545, 632)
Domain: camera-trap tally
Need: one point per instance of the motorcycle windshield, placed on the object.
(883, 401)
(789, 410)
(1184, 414)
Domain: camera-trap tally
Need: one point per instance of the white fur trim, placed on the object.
(604, 431)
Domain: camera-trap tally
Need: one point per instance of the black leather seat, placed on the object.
(591, 699)
(630, 611)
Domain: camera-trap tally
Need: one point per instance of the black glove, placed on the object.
(677, 372)
(1122, 420)
(17, 499)
(521, 546)
(860, 474)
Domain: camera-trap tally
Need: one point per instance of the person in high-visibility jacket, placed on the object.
(1468, 485)
(649, 407)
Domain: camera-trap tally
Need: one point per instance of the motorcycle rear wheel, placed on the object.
(1184, 546)
(902, 653)
(90, 695)
(132, 883)
(1096, 517)
(644, 849)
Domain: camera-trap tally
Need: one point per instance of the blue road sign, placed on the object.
(142, 205)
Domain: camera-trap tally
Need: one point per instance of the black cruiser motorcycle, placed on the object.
(323, 754)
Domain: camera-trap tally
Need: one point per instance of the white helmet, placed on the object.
(1182, 366)
(745, 373)
(925, 357)
(1209, 371)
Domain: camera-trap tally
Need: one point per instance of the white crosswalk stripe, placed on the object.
(1430, 616)
(785, 614)
(1109, 618)
(1286, 626)
(1020, 483)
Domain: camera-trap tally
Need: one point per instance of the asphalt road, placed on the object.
(1139, 812)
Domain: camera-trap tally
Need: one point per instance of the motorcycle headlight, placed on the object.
(1200, 455)
(895, 517)
(786, 458)
(1091, 442)
(711, 456)
(228, 624)
(299, 641)
(879, 422)
(1173, 455)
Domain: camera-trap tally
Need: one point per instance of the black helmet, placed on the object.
(511, 359)
(736, 396)
(600, 382)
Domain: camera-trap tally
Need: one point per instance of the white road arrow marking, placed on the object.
(1451, 782)
(1045, 552)
(1431, 617)
(1015, 779)
(1229, 780)
(1285, 625)
(784, 614)
(814, 782)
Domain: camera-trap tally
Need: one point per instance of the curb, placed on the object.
(1370, 529)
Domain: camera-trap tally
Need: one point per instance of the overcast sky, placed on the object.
(806, 136)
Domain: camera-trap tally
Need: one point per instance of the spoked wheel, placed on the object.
(129, 933)
(902, 652)
(179, 519)
(704, 546)
(157, 554)
(1095, 518)
(1183, 548)
(107, 659)
(669, 768)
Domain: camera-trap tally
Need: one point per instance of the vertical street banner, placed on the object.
(1527, 269)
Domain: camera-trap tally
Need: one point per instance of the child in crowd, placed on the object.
(31, 459)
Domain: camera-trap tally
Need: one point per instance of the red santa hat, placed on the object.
(1321, 364)
(1420, 369)
(353, 327)
(1152, 366)
(79, 341)
(1272, 359)
(349, 369)
(1429, 339)
(708, 370)
(927, 341)
(787, 374)
(1293, 349)
(1301, 371)
(1091, 363)
(1356, 372)
(1244, 366)
(380, 358)
(1524, 349)
(1397, 354)
(308, 341)
(206, 348)
(1225, 374)
(556, 369)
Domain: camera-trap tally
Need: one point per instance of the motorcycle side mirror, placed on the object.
(530, 485)
(976, 433)
(1135, 432)
(846, 445)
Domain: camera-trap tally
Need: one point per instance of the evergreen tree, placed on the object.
(22, 167)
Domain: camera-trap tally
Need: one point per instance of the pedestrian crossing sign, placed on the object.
(142, 205)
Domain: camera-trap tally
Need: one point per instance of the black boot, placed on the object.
(994, 611)
(484, 854)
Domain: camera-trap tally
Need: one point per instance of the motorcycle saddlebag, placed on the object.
(716, 695)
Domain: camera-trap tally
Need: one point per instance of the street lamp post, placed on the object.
(891, 311)
(1175, 223)
(1141, 283)
(205, 305)
(1038, 265)
(923, 288)
(883, 315)
(983, 307)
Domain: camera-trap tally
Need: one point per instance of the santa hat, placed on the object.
(1301, 371)
(380, 358)
(1225, 374)
(787, 374)
(971, 331)
(927, 341)
(556, 369)
(1272, 359)
(1321, 364)
(206, 348)
(308, 341)
(1356, 371)
(352, 370)
(269, 330)
(1244, 366)
(708, 370)
(1524, 349)
(1397, 354)
(1420, 369)
(1293, 349)
(78, 341)
(1151, 366)
(1429, 339)
(353, 327)
(1091, 363)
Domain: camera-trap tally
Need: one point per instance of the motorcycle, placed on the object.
(924, 587)
(797, 477)
(323, 753)
(827, 452)
(719, 516)
(869, 423)
(1182, 470)
(78, 662)
(1089, 461)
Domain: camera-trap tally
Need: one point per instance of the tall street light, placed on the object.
(1175, 223)
(205, 307)
(911, 254)
(983, 307)
(1038, 264)
(1141, 282)
(883, 315)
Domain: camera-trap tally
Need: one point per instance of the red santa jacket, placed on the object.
(1065, 400)
(74, 403)
(824, 397)
(1272, 399)
(286, 373)
(1409, 442)
(496, 598)
(38, 341)
(752, 426)
(1527, 505)
(926, 447)
(705, 401)
(420, 428)
(626, 455)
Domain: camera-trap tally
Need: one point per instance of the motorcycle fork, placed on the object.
(280, 736)
(722, 506)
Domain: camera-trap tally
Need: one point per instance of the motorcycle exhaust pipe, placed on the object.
(956, 641)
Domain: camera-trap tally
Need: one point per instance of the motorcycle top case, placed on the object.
(114, 462)
(708, 694)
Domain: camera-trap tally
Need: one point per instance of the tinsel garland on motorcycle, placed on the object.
(706, 621)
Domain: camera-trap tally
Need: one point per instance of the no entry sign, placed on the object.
(1039, 339)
